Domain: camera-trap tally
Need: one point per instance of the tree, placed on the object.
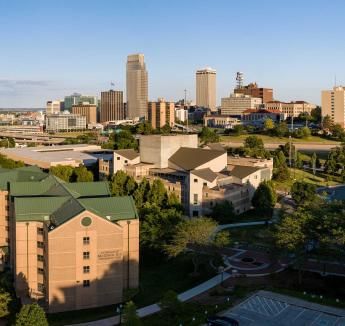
(208, 135)
(171, 303)
(31, 314)
(223, 212)
(157, 225)
(82, 174)
(196, 236)
(253, 142)
(265, 197)
(130, 316)
(121, 184)
(327, 122)
(63, 172)
(269, 124)
(124, 140)
(157, 194)
(5, 299)
(281, 129)
(303, 193)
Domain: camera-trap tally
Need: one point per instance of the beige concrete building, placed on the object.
(87, 110)
(333, 104)
(54, 107)
(161, 113)
(206, 88)
(112, 106)
(291, 109)
(73, 246)
(137, 87)
(236, 104)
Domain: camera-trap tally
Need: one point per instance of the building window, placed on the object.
(40, 270)
(86, 269)
(40, 244)
(195, 180)
(86, 240)
(40, 287)
(195, 201)
(86, 255)
(40, 231)
(86, 283)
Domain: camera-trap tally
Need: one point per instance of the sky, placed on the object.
(52, 48)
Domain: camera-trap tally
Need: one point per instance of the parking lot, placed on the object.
(271, 309)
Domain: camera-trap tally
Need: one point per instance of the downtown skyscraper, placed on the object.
(137, 87)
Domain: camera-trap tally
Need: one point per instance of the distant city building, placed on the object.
(291, 109)
(161, 113)
(137, 87)
(181, 114)
(206, 88)
(112, 106)
(84, 244)
(54, 107)
(237, 103)
(221, 121)
(87, 110)
(77, 98)
(333, 104)
(65, 122)
(252, 89)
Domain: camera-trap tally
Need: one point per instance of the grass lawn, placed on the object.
(157, 276)
(319, 179)
(270, 139)
(260, 235)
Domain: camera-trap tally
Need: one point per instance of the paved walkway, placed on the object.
(152, 309)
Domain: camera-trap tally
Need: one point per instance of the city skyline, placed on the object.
(285, 48)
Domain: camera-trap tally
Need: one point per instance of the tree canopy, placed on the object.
(31, 314)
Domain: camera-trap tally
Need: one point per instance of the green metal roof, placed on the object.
(37, 208)
(112, 208)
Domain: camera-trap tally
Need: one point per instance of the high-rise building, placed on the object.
(137, 87)
(236, 104)
(112, 107)
(54, 107)
(161, 113)
(333, 104)
(87, 110)
(252, 89)
(77, 98)
(206, 88)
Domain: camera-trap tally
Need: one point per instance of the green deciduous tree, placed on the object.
(197, 237)
(63, 172)
(269, 124)
(208, 135)
(303, 193)
(31, 314)
(223, 212)
(265, 197)
(5, 299)
(130, 316)
(82, 174)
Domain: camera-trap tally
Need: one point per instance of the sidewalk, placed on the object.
(154, 308)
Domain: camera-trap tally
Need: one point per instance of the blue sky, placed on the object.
(51, 48)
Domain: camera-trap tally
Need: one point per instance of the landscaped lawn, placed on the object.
(157, 276)
(270, 139)
(300, 175)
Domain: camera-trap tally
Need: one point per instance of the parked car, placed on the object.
(221, 321)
